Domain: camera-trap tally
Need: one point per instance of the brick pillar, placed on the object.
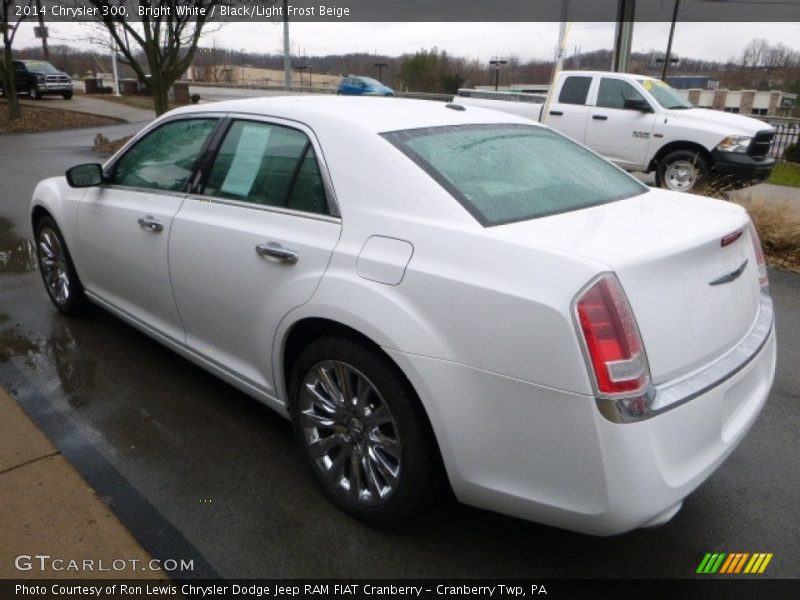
(719, 99)
(694, 97)
(746, 105)
(774, 99)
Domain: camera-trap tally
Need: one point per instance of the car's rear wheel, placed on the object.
(364, 432)
(57, 269)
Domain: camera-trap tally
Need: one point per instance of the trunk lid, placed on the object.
(666, 250)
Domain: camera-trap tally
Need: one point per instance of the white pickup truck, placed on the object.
(642, 124)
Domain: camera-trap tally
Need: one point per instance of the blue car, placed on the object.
(363, 86)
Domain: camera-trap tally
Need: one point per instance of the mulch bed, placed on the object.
(42, 118)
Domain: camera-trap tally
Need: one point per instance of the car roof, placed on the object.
(358, 112)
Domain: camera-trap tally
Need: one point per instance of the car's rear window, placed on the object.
(506, 172)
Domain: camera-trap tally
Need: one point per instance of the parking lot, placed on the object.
(197, 470)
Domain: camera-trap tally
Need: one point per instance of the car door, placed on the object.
(568, 113)
(124, 225)
(253, 245)
(618, 133)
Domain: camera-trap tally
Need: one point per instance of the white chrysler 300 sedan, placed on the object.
(433, 295)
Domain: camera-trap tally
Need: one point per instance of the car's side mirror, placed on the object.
(638, 104)
(87, 175)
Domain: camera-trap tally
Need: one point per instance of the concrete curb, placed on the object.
(48, 509)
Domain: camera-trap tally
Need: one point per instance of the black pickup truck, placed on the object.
(38, 77)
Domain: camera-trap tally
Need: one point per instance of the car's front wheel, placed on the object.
(58, 272)
(35, 93)
(364, 432)
(682, 171)
(67, 95)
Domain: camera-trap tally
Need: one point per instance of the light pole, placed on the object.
(380, 67)
(287, 61)
(669, 43)
(496, 64)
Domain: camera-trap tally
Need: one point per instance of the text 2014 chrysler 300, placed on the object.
(434, 295)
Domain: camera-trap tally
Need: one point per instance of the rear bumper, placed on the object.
(550, 456)
(741, 169)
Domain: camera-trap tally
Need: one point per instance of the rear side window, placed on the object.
(614, 92)
(268, 164)
(505, 173)
(575, 90)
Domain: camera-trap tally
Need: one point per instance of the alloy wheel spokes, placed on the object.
(350, 432)
(52, 261)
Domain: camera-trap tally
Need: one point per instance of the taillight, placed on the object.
(612, 338)
(761, 264)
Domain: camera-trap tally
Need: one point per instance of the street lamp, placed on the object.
(496, 64)
(380, 67)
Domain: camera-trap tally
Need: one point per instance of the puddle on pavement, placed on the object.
(17, 255)
(57, 350)
(75, 371)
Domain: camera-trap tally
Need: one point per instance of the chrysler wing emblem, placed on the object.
(728, 277)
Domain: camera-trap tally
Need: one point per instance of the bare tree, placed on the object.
(9, 29)
(161, 47)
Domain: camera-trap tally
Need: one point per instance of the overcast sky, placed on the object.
(483, 41)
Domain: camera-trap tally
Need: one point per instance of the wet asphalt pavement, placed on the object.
(198, 470)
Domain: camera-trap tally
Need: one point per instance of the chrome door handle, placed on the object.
(149, 223)
(275, 250)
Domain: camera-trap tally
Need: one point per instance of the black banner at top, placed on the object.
(254, 11)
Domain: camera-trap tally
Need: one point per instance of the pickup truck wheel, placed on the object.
(34, 92)
(57, 269)
(363, 431)
(682, 170)
(67, 95)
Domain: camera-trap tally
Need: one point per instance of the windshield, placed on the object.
(664, 94)
(40, 66)
(503, 173)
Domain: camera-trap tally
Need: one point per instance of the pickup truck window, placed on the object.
(575, 90)
(504, 173)
(664, 94)
(614, 92)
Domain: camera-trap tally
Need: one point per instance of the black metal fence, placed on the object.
(787, 132)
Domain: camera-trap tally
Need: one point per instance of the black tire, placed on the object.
(57, 269)
(34, 92)
(683, 171)
(389, 491)
(67, 95)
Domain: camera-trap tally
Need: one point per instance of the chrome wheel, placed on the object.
(53, 262)
(350, 433)
(681, 175)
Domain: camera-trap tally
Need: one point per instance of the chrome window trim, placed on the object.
(143, 190)
(265, 207)
(672, 394)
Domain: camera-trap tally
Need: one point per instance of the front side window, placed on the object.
(505, 173)
(270, 165)
(614, 92)
(165, 158)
